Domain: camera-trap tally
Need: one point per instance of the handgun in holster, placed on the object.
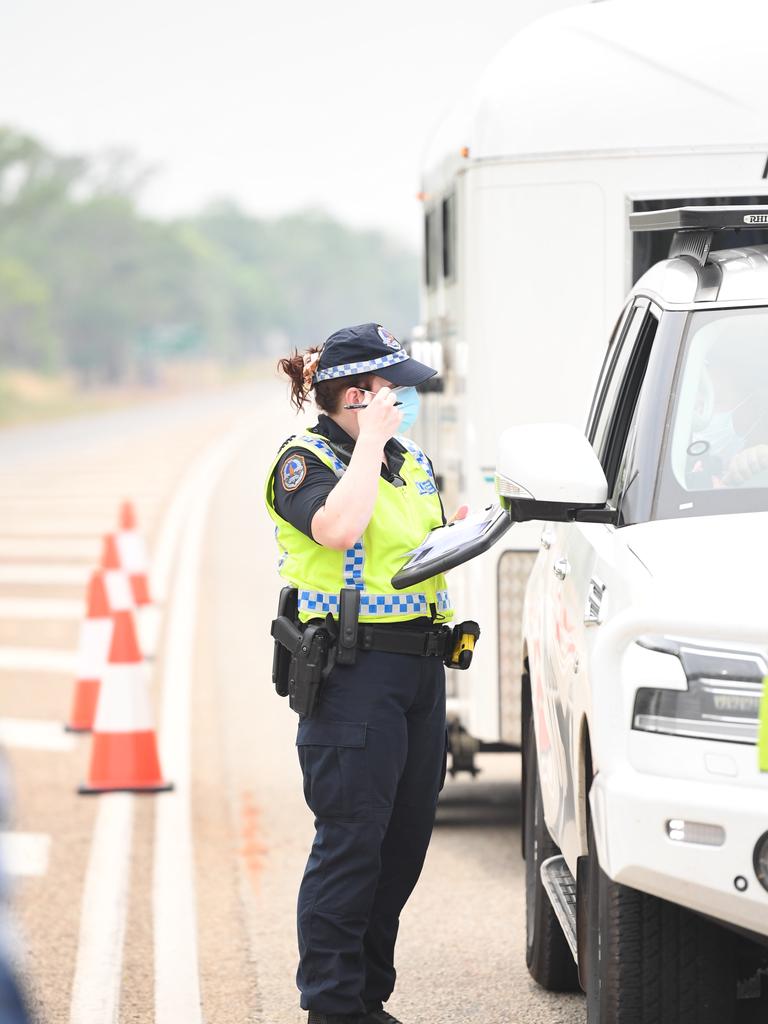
(461, 647)
(302, 655)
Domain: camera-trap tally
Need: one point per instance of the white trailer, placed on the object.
(586, 116)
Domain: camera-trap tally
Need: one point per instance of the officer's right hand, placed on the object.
(381, 419)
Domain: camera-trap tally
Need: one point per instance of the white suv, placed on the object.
(645, 639)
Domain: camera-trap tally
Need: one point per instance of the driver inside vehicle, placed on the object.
(729, 430)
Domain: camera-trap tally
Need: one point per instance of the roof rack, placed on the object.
(695, 226)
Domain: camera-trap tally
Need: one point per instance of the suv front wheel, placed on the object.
(653, 962)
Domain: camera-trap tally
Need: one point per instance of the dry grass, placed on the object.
(27, 397)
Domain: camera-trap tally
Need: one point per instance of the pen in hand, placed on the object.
(365, 406)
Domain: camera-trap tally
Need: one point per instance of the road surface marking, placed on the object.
(98, 970)
(56, 548)
(74, 575)
(49, 609)
(24, 854)
(34, 734)
(177, 982)
(37, 659)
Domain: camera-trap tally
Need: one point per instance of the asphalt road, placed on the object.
(460, 952)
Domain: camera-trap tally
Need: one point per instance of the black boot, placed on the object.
(380, 1017)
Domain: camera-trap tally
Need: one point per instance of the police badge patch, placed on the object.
(387, 338)
(293, 472)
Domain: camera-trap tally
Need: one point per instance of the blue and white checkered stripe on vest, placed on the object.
(323, 446)
(370, 604)
(418, 454)
(353, 567)
(354, 557)
(354, 562)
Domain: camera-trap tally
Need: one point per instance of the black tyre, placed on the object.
(547, 953)
(653, 962)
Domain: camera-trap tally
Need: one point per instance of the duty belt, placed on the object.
(429, 643)
(306, 653)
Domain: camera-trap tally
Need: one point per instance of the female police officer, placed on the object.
(350, 499)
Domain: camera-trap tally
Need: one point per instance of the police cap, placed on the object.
(369, 348)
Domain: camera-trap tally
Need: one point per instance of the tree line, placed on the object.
(90, 283)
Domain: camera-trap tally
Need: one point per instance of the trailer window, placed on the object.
(448, 209)
(432, 233)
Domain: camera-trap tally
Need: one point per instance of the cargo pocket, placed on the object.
(334, 764)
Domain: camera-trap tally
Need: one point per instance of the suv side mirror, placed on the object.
(549, 471)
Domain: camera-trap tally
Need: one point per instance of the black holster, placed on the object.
(303, 657)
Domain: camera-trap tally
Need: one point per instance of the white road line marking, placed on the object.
(24, 854)
(98, 971)
(75, 575)
(96, 988)
(37, 659)
(177, 983)
(42, 608)
(34, 734)
(42, 529)
(75, 548)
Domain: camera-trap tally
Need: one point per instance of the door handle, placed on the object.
(561, 568)
(547, 536)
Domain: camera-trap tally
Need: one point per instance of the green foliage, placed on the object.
(90, 283)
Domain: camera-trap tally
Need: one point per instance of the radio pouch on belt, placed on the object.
(349, 612)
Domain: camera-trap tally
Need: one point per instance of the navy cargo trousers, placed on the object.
(373, 759)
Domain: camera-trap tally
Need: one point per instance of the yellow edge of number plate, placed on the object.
(762, 736)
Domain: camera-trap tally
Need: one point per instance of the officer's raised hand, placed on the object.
(382, 417)
(348, 508)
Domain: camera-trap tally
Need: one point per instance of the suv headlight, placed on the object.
(721, 702)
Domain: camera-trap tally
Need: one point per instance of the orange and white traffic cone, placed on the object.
(92, 651)
(118, 583)
(124, 752)
(133, 556)
(123, 594)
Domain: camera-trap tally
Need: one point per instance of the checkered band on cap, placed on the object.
(321, 446)
(366, 366)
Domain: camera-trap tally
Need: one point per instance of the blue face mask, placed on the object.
(410, 401)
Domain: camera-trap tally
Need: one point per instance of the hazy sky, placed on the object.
(278, 105)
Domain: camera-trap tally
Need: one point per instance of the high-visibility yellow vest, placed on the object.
(401, 519)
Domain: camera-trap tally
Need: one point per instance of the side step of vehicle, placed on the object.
(560, 885)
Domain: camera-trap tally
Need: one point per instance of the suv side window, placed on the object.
(612, 380)
(617, 439)
(616, 335)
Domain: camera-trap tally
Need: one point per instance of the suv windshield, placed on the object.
(715, 459)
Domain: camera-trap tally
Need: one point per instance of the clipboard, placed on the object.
(452, 545)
